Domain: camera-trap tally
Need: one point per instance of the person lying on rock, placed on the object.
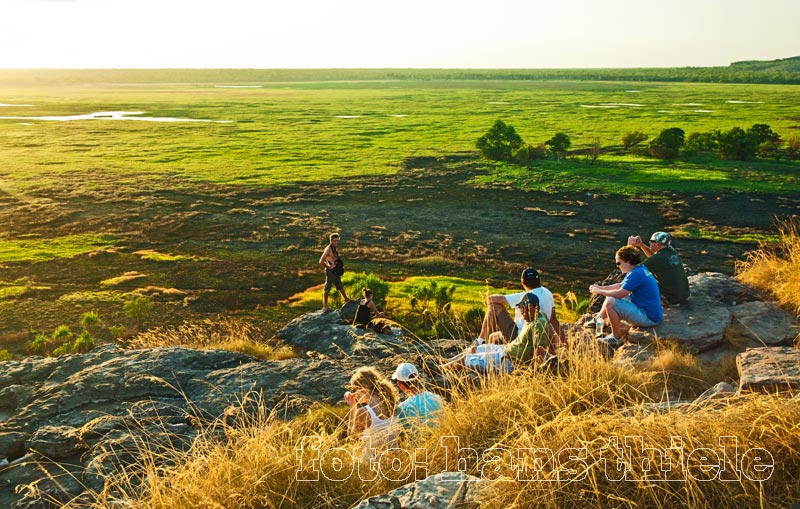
(637, 300)
(421, 408)
(368, 316)
(532, 344)
(372, 400)
(499, 327)
(665, 264)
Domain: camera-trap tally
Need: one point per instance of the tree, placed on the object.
(500, 142)
(558, 145)
(702, 142)
(668, 144)
(738, 144)
(765, 134)
(633, 138)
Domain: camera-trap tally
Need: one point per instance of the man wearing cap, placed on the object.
(499, 327)
(533, 340)
(665, 264)
(421, 407)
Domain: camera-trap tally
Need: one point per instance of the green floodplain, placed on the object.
(214, 191)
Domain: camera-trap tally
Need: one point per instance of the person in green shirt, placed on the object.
(533, 341)
(531, 344)
(665, 264)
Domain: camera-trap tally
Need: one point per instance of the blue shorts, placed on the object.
(632, 314)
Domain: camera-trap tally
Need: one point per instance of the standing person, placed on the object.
(334, 268)
(421, 407)
(636, 300)
(498, 320)
(372, 405)
(665, 264)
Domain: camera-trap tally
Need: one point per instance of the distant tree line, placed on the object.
(502, 143)
(784, 71)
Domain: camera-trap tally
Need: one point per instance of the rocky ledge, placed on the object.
(80, 417)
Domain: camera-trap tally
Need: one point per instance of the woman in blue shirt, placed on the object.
(637, 300)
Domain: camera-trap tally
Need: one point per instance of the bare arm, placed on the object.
(324, 260)
(636, 241)
(372, 307)
(556, 325)
(614, 290)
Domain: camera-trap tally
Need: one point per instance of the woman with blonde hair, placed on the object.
(372, 399)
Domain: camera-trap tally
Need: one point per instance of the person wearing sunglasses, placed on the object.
(637, 299)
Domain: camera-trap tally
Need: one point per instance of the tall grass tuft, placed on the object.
(775, 268)
(594, 418)
(222, 334)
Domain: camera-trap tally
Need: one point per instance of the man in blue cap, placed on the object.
(665, 264)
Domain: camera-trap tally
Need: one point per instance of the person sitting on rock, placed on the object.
(421, 407)
(498, 323)
(531, 344)
(367, 314)
(637, 300)
(372, 400)
(665, 264)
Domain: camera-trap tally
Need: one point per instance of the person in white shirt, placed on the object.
(498, 323)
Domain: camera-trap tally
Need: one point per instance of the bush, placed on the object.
(84, 343)
(354, 282)
(90, 318)
(668, 144)
(500, 142)
(633, 138)
(702, 142)
(738, 144)
(5, 355)
(558, 145)
(138, 309)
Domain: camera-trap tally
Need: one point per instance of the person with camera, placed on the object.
(334, 268)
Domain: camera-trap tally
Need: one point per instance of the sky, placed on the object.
(394, 33)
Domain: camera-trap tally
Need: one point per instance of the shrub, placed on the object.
(84, 343)
(633, 138)
(738, 144)
(702, 142)
(90, 318)
(5, 355)
(558, 145)
(354, 281)
(138, 309)
(668, 144)
(500, 142)
(38, 344)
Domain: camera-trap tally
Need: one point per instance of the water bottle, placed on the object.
(598, 324)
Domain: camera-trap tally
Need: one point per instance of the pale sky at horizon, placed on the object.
(411, 33)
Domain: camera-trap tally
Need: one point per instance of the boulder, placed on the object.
(55, 442)
(769, 369)
(764, 323)
(633, 355)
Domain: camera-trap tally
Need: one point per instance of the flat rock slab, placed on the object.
(765, 323)
(769, 369)
(439, 490)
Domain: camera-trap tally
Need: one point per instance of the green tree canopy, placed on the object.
(500, 142)
(558, 144)
(667, 144)
(738, 144)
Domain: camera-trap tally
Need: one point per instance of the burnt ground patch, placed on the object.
(243, 248)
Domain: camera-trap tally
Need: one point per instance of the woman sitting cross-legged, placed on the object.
(637, 300)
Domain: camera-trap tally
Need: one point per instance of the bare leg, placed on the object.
(496, 319)
(325, 301)
(611, 315)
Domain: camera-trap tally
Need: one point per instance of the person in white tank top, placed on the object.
(372, 399)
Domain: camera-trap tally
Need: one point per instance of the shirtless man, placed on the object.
(334, 268)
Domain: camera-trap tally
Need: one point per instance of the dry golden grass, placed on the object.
(222, 334)
(254, 463)
(776, 268)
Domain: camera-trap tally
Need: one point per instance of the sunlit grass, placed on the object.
(12, 250)
(775, 267)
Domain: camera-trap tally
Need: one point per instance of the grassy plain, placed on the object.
(231, 214)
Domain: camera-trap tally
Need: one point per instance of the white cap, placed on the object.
(405, 372)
